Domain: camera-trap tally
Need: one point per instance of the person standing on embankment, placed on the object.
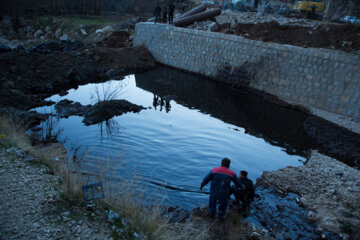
(171, 11)
(157, 12)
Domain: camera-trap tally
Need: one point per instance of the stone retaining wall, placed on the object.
(324, 79)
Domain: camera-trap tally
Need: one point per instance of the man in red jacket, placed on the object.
(220, 178)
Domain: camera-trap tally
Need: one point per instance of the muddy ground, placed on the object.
(28, 76)
(278, 29)
(343, 37)
(99, 112)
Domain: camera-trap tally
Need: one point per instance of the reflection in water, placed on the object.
(104, 92)
(108, 127)
(108, 91)
(278, 124)
(162, 101)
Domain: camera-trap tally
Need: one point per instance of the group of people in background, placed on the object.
(221, 188)
(164, 12)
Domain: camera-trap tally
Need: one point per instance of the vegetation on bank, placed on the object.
(136, 220)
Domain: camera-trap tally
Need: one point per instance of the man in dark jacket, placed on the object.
(220, 178)
(244, 195)
(157, 12)
(171, 12)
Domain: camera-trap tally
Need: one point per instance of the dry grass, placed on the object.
(53, 155)
(150, 221)
(14, 134)
(128, 202)
(185, 231)
(71, 184)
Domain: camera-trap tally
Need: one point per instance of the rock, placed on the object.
(20, 47)
(213, 27)
(332, 191)
(62, 46)
(233, 23)
(38, 33)
(58, 33)
(255, 236)
(83, 31)
(303, 202)
(340, 174)
(107, 29)
(4, 48)
(7, 84)
(48, 29)
(110, 72)
(67, 213)
(64, 37)
(310, 216)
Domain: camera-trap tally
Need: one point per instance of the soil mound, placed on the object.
(123, 59)
(101, 111)
(116, 40)
(344, 37)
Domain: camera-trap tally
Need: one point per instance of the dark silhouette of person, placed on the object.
(220, 188)
(155, 101)
(167, 105)
(171, 12)
(244, 195)
(165, 14)
(161, 104)
(157, 12)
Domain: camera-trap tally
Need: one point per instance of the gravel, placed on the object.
(31, 209)
(329, 189)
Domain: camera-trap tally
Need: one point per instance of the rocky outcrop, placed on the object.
(101, 111)
(329, 189)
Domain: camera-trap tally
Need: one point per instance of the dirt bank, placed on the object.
(344, 37)
(283, 30)
(329, 189)
(28, 76)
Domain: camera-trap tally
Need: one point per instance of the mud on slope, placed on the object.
(27, 79)
(344, 37)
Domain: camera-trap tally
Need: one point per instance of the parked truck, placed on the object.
(307, 6)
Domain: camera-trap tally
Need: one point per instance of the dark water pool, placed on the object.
(189, 125)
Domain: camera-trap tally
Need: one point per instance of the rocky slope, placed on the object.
(329, 189)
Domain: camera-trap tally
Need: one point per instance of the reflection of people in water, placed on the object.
(165, 101)
(167, 105)
(161, 104)
(155, 101)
